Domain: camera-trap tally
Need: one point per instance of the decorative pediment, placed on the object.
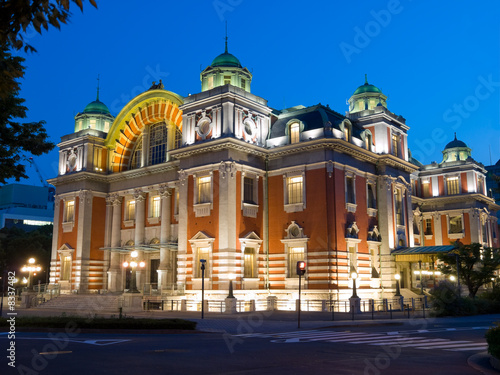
(374, 234)
(352, 230)
(294, 231)
(251, 240)
(201, 239)
(66, 247)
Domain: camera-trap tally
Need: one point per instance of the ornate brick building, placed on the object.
(221, 176)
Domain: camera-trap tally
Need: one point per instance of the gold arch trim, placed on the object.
(146, 109)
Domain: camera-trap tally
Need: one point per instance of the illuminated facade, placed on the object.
(221, 176)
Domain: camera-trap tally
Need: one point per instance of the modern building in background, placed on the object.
(25, 206)
(220, 176)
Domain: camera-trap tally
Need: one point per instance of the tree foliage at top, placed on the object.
(16, 138)
(476, 265)
(16, 16)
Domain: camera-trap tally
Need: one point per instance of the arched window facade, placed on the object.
(152, 146)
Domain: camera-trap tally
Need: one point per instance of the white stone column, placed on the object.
(165, 258)
(55, 238)
(410, 241)
(140, 222)
(475, 225)
(438, 233)
(83, 239)
(114, 271)
(227, 223)
(182, 240)
(387, 230)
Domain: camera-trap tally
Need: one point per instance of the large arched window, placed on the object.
(137, 155)
(157, 143)
(154, 143)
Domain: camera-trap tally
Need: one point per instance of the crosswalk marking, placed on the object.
(401, 339)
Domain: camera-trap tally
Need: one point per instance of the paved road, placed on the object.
(427, 347)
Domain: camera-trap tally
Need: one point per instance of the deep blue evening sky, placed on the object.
(437, 61)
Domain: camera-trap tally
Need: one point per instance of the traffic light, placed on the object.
(301, 267)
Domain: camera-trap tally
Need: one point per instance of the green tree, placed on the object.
(17, 246)
(476, 265)
(16, 138)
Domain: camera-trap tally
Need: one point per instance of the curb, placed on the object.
(481, 363)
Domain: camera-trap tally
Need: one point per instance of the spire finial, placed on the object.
(97, 87)
(455, 136)
(226, 39)
(366, 79)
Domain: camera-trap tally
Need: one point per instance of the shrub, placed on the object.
(493, 340)
(446, 302)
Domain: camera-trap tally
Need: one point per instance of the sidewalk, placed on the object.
(262, 322)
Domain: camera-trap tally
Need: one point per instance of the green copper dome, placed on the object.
(96, 107)
(367, 88)
(455, 143)
(226, 59)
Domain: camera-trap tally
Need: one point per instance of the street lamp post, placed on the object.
(134, 263)
(202, 261)
(30, 268)
(354, 276)
(354, 301)
(397, 276)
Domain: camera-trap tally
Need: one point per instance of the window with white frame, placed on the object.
(347, 132)
(370, 195)
(395, 144)
(428, 227)
(249, 263)
(295, 189)
(248, 190)
(204, 187)
(480, 185)
(455, 224)
(350, 194)
(202, 253)
(452, 185)
(294, 132)
(368, 141)
(130, 210)
(426, 188)
(399, 206)
(69, 211)
(294, 255)
(155, 206)
(65, 267)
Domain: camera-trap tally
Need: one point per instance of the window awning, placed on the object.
(420, 253)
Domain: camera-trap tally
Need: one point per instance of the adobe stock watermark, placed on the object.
(454, 117)
(152, 75)
(363, 36)
(223, 6)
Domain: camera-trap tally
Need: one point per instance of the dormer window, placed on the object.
(294, 133)
(347, 133)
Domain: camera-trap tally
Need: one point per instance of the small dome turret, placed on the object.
(96, 116)
(456, 150)
(226, 59)
(366, 97)
(96, 107)
(225, 69)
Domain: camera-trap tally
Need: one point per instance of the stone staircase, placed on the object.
(83, 303)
